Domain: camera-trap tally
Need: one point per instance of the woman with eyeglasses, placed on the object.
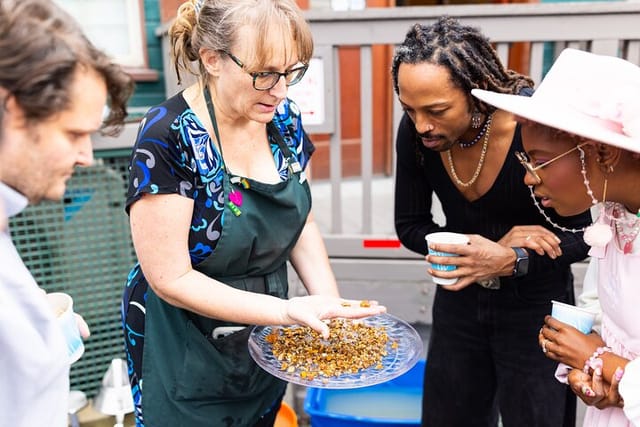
(218, 203)
(581, 133)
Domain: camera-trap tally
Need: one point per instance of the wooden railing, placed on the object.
(608, 28)
(611, 28)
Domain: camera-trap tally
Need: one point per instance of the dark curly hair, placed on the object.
(465, 52)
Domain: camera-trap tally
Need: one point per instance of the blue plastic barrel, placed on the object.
(395, 403)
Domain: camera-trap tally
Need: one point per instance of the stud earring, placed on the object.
(476, 120)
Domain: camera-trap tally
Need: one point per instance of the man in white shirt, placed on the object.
(54, 86)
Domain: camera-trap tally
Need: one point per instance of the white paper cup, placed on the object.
(577, 317)
(445, 237)
(62, 306)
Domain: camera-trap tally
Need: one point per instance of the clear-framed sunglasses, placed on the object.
(265, 80)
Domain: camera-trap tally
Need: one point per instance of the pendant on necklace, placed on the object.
(479, 135)
(621, 220)
(235, 197)
(235, 201)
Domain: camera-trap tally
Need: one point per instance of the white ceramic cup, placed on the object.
(62, 306)
(445, 237)
(577, 317)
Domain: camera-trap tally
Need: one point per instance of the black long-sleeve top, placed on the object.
(420, 173)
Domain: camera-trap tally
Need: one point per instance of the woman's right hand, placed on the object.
(312, 310)
(565, 344)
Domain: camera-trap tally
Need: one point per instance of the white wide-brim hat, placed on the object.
(593, 96)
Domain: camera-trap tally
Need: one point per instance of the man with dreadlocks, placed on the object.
(483, 358)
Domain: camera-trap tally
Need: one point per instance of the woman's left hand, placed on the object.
(594, 391)
(565, 344)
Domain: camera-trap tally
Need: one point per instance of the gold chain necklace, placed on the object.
(476, 174)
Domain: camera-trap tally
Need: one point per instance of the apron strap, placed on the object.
(292, 162)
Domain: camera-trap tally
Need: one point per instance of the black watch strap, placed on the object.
(521, 267)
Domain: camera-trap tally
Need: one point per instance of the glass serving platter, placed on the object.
(399, 359)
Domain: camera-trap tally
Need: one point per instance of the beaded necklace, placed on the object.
(474, 141)
(627, 227)
(549, 220)
(483, 153)
(544, 214)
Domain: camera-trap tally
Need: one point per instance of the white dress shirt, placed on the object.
(34, 367)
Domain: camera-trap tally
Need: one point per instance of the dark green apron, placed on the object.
(190, 378)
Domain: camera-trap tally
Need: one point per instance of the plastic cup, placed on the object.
(62, 306)
(577, 317)
(445, 237)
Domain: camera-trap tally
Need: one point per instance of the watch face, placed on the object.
(521, 268)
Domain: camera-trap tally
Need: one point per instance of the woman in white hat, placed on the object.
(581, 133)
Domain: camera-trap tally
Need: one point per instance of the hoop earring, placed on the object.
(476, 120)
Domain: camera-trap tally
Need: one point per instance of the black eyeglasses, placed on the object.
(524, 161)
(265, 80)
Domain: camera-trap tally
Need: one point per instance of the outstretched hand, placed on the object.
(312, 310)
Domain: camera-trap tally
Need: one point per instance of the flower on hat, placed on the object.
(620, 106)
(631, 123)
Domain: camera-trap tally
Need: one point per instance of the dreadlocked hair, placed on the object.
(465, 52)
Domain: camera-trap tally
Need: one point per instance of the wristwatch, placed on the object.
(521, 268)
